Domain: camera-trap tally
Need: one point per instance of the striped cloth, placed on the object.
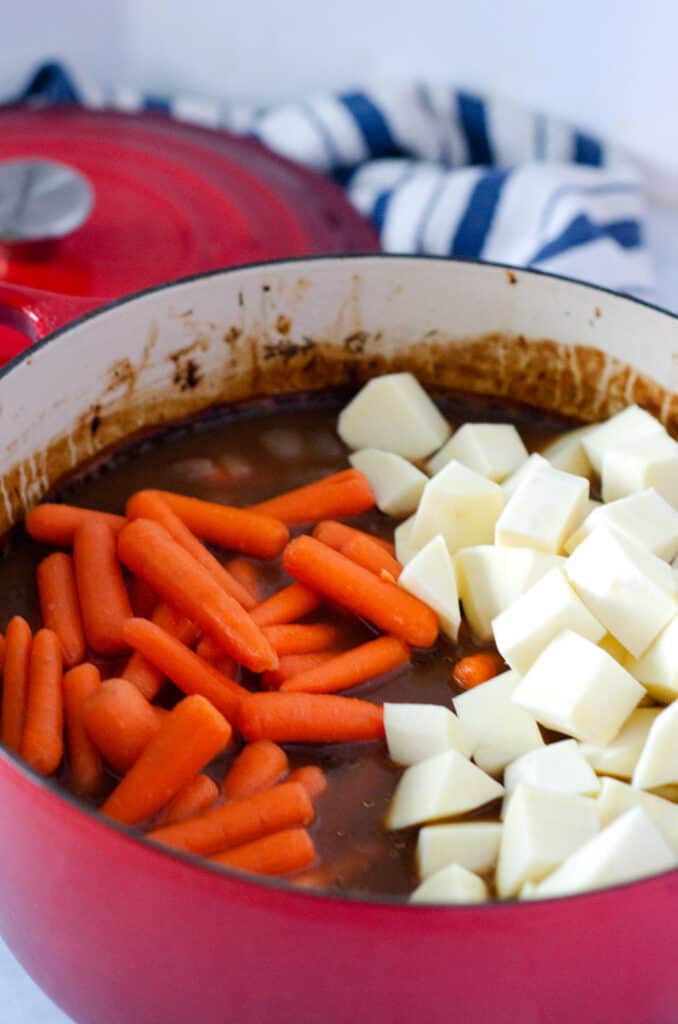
(440, 170)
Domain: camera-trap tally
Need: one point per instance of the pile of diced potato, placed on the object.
(581, 600)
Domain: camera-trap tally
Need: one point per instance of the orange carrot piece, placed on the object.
(351, 667)
(312, 778)
(246, 574)
(3, 646)
(18, 639)
(288, 605)
(196, 796)
(149, 505)
(146, 676)
(293, 664)
(257, 767)
(104, 603)
(142, 599)
(240, 529)
(347, 866)
(209, 650)
(56, 524)
(300, 639)
(186, 669)
(120, 723)
(192, 734)
(340, 580)
(240, 822)
(360, 547)
(87, 771)
(60, 607)
(343, 494)
(42, 744)
(148, 550)
(309, 718)
(280, 853)
(477, 668)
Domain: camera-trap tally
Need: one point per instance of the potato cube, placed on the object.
(473, 844)
(616, 798)
(524, 629)
(578, 689)
(459, 504)
(657, 669)
(568, 454)
(560, 767)
(452, 884)
(627, 588)
(393, 413)
(645, 518)
(444, 786)
(430, 576)
(397, 485)
(628, 425)
(619, 758)
(513, 482)
(415, 732)
(658, 762)
(541, 830)
(647, 462)
(631, 847)
(502, 731)
(543, 511)
(489, 579)
(402, 536)
(493, 449)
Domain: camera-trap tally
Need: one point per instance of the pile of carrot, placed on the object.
(133, 602)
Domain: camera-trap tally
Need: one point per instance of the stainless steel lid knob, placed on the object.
(41, 200)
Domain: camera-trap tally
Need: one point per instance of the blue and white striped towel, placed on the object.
(440, 170)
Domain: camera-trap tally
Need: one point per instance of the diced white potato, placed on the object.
(658, 761)
(578, 689)
(393, 413)
(397, 485)
(523, 630)
(444, 786)
(631, 847)
(616, 798)
(452, 884)
(627, 588)
(529, 891)
(657, 669)
(568, 454)
(489, 579)
(459, 504)
(645, 518)
(415, 732)
(560, 767)
(541, 830)
(543, 511)
(473, 844)
(513, 482)
(502, 730)
(494, 449)
(628, 425)
(616, 650)
(430, 576)
(647, 462)
(402, 537)
(619, 758)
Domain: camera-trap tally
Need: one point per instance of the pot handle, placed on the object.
(35, 314)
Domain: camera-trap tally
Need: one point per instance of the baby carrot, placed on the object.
(142, 599)
(295, 639)
(146, 676)
(104, 603)
(18, 640)
(42, 744)
(240, 822)
(477, 668)
(288, 605)
(192, 734)
(351, 667)
(209, 649)
(60, 607)
(339, 579)
(246, 574)
(187, 670)
(56, 524)
(148, 550)
(150, 505)
(293, 664)
(240, 529)
(120, 723)
(360, 547)
(3, 645)
(311, 778)
(196, 796)
(87, 772)
(343, 494)
(309, 718)
(280, 853)
(257, 767)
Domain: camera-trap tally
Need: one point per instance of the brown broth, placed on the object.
(242, 455)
